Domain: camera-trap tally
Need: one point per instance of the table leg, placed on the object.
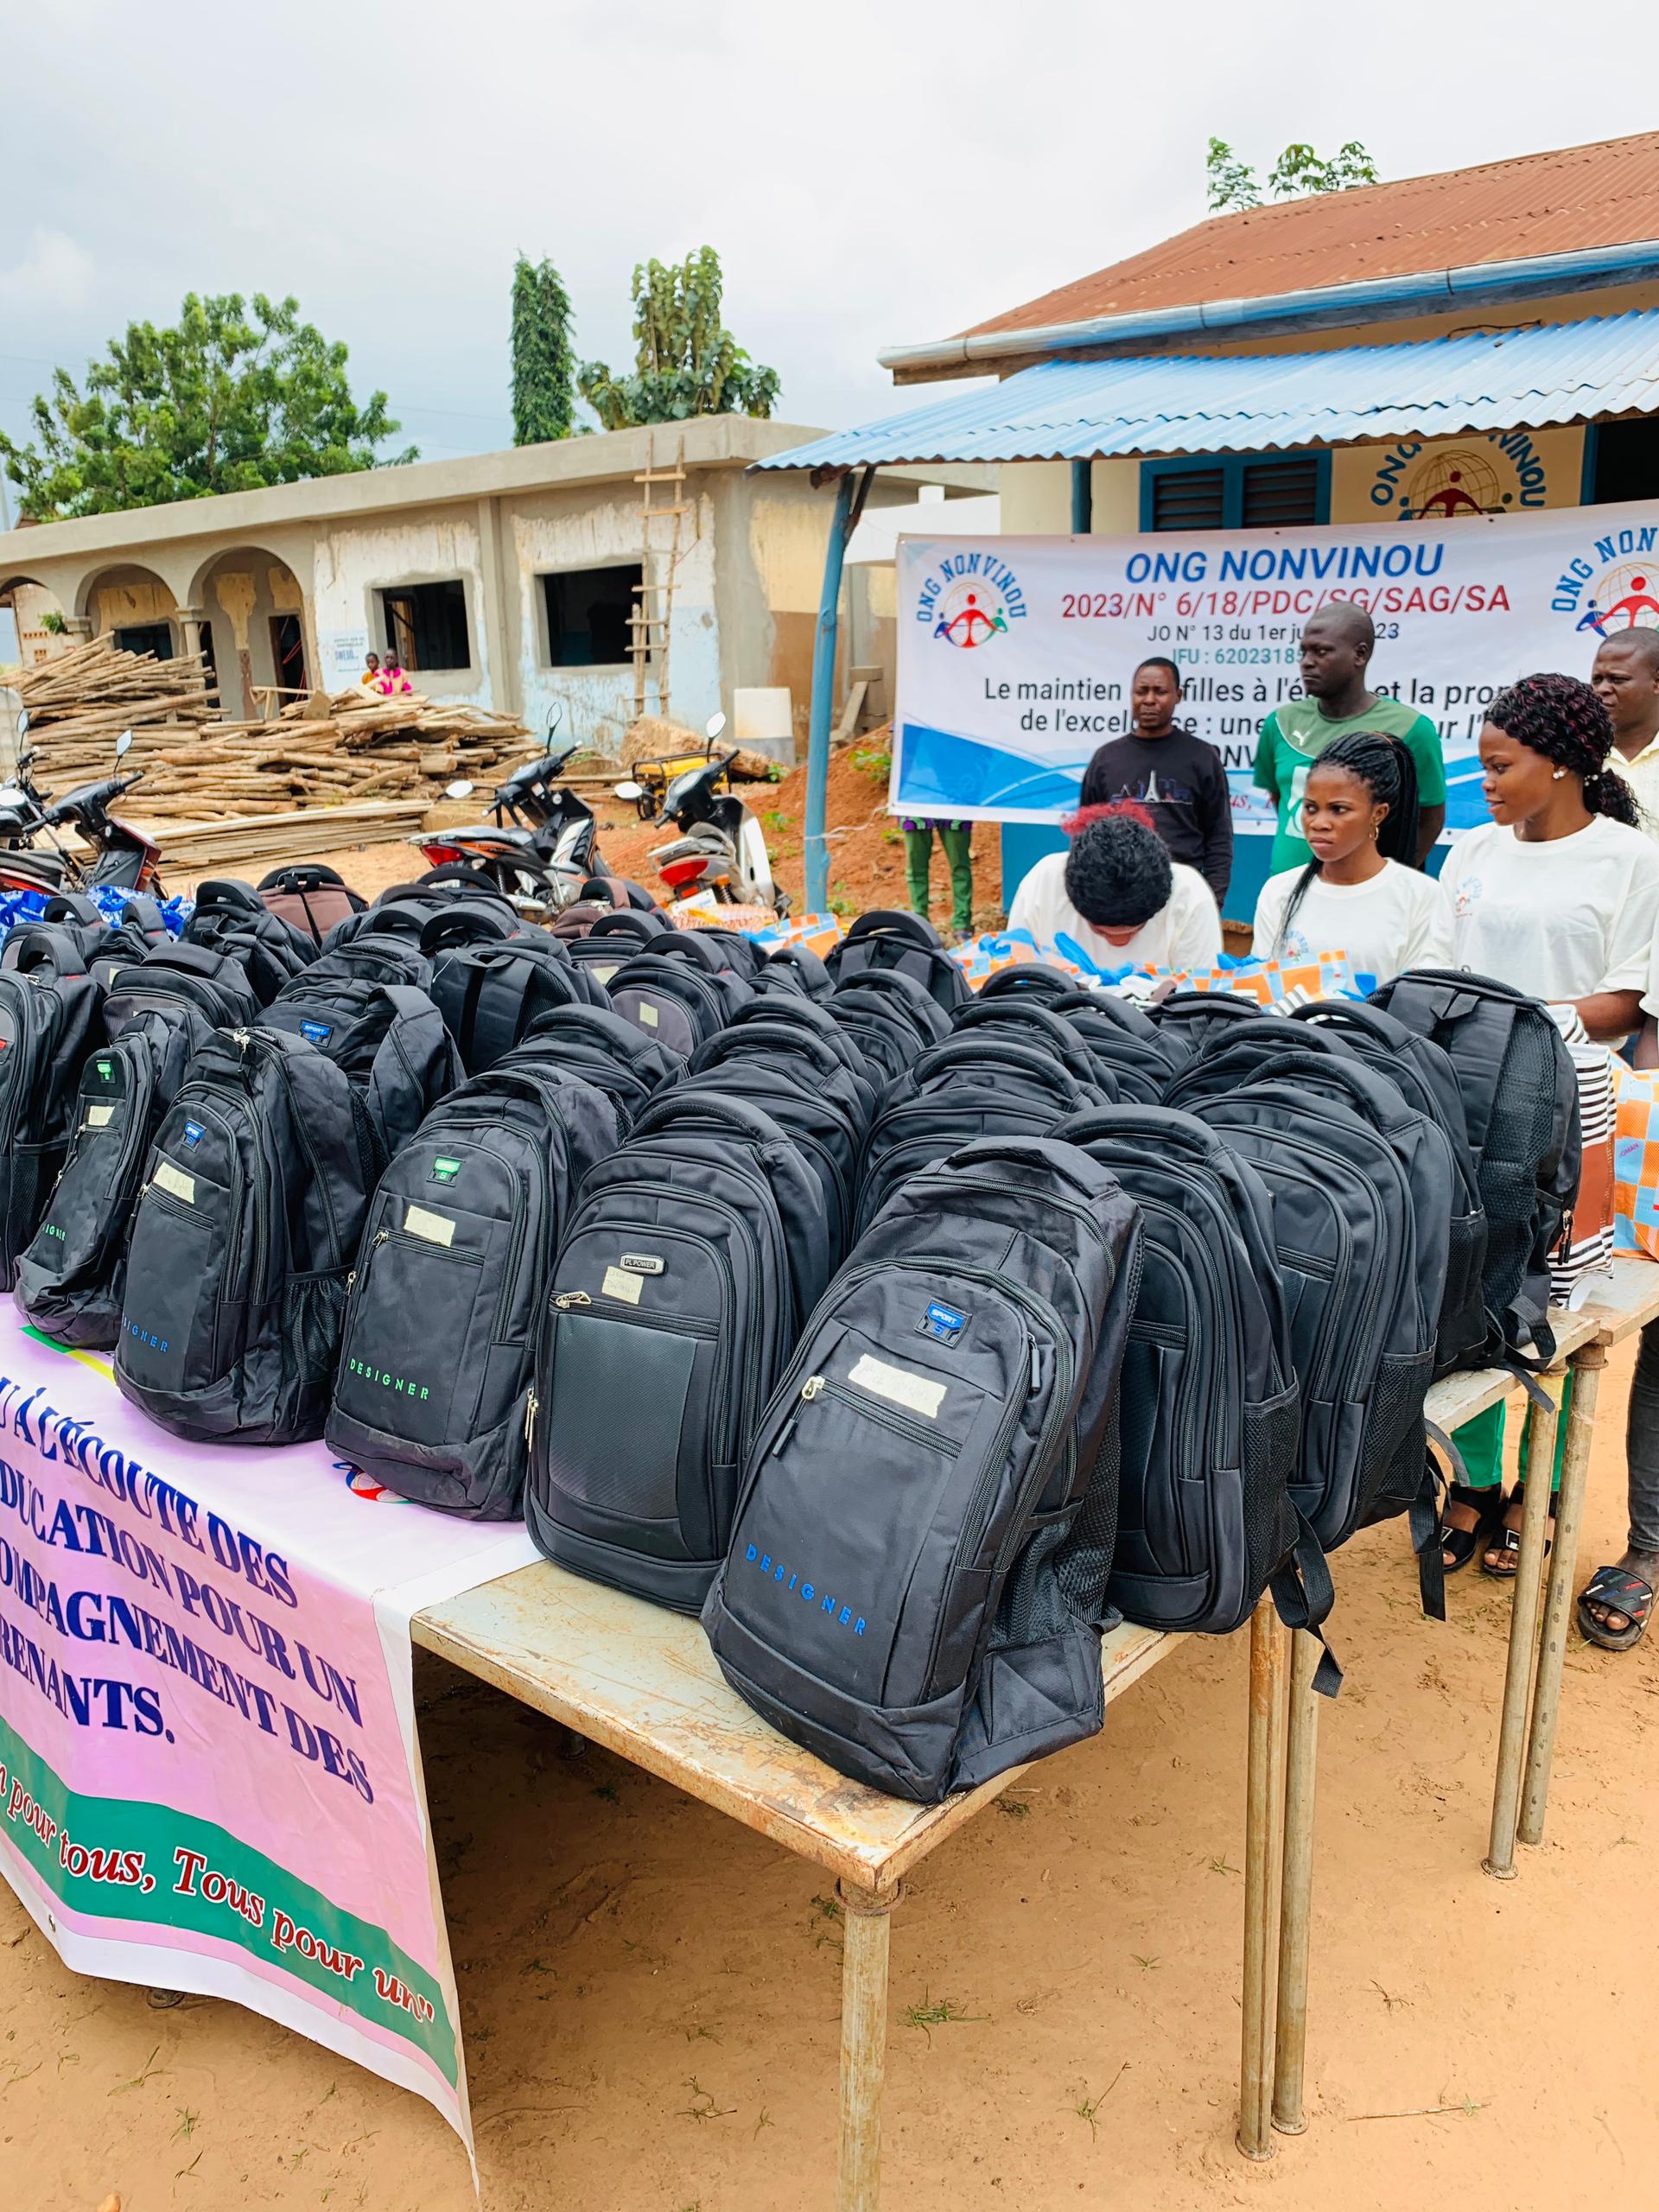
(863, 2042)
(1263, 1837)
(1301, 1763)
(1586, 1365)
(1523, 1634)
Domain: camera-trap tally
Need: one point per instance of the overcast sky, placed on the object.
(872, 172)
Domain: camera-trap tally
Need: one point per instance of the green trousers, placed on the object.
(1481, 1442)
(958, 839)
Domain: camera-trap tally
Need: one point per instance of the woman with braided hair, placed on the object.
(1558, 895)
(1360, 893)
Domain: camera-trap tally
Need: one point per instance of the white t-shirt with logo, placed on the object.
(1186, 932)
(1561, 918)
(1397, 920)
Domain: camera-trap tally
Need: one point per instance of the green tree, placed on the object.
(543, 360)
(227, 401)
(1298, 171)
(686, 362)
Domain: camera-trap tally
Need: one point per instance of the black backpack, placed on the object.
(1427, 1080)
(71, 1280)
(141, 930)
(766, 1009)
(808, 1090)
(975, 1085)
(432, 1393)
(406, 909)
(1210, 1420)
(797, 970)
(907, 944)
(603, 1049)
(1521, 1109)
(678, 1003)
(610, 939)
(244, 1231)
(695, 1254)
(890, 1018)
(1041, 1029)
(373, 957)
(311, 897)
(490, 994)
(1364, 1274)
(389, 1041)
(916, 1583)
(50, 1018)
(230, 918)
(1186, 1019)
(214, 985)
(1122, 1043)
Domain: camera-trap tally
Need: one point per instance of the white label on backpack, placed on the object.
(436, 1228)
(99, 1117)
(920, 1393)
(648, 1015)
(169, 1178)
(606, 974)
(619, 1283)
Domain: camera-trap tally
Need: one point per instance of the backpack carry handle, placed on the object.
(34, 945)
(1049, 1075)
(228, 895)
(470, 924)
(629, 922)
(732, 1043)
(688, 945)
(736, 1113)
(1046, 1155)
(1028, 979)
(74, 907)
(890, 921)
(1032, 1022)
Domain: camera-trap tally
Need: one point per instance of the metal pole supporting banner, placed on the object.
(847, 510)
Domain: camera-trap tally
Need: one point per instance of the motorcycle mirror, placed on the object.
(714, 725)
(124, 745)
(628, 791)
(553, 719)
(464, 789)
(22, 724)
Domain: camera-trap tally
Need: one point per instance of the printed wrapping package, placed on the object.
(819, 933)
(1635, 1160)
(1280, 983)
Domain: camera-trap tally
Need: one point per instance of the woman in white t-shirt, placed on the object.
(1360, 893)
(1558, 895)
(1116, 894)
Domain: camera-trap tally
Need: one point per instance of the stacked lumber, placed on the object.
(80, 703)
(243, 843)
(651, 737)
(319, 751)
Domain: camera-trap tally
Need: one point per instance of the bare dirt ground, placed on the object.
(650, 1994)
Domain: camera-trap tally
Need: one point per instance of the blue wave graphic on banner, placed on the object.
(938, 767)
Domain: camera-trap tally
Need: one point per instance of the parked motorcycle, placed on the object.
(31, 859)
(721, 847)
(541, 845)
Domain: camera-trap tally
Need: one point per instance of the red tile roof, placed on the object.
(1585, 196)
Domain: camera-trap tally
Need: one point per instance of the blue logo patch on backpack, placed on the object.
(942, 1323)
(316, 1033)
(193, 1132)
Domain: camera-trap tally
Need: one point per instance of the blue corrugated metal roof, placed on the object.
(1175, 403)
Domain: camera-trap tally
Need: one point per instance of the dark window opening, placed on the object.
(589, 615)
(288, 653)
(1287, 492)
(1624, 462)
(426, 625)
(146, 637)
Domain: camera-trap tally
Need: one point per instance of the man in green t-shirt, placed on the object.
(1336, 645)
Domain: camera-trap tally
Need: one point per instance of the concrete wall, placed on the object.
(239, 594)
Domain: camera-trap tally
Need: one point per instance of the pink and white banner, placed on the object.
(209, 1774)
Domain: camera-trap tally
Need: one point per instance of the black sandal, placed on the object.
(1506, 1543)
(1461, 1538)
(1620, 1591)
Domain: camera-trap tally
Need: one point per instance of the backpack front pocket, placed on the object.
(417, 1335)
(626, 1418)
(169, 1329)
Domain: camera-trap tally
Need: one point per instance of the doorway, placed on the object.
(288, 653)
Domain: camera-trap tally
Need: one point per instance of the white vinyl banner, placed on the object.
(1016, 654)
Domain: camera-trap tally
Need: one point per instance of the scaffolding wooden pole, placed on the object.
(658, 559)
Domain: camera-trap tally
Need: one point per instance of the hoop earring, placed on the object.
(1375, 826)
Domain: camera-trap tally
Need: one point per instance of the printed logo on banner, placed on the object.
(1491, 476)
(1613, 584)
(970, 598)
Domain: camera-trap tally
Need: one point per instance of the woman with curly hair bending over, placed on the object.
(1557, 896)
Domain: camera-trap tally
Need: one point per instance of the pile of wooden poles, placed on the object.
(80, 703)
